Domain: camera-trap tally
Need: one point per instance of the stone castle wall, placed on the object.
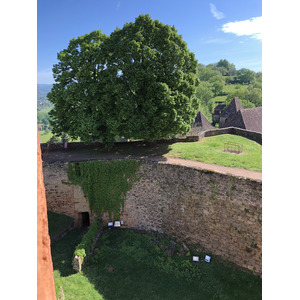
(219, 212)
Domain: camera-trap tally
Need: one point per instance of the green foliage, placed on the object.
(105, 184)
(77, 93)
(54, 139)
(217, 83)
(246, 76)
(250, 97)
(138, 83)
(212, 86)
(85, 246)
(151, 80)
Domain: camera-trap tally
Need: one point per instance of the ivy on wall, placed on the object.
(105, 183)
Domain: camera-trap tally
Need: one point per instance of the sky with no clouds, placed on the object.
(213, 30)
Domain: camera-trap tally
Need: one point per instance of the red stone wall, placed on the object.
(45, 281)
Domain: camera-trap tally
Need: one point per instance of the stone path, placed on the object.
(69, 156)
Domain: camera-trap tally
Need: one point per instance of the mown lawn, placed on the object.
(141, 270)
(211, 150)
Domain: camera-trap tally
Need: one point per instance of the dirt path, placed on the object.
(68, 156)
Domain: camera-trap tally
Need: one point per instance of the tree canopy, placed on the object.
(137, 83)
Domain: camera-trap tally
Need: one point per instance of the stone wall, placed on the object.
(47, 147)
(219, 212)
(251, 135)
(61, 197)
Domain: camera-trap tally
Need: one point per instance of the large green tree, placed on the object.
(79, 109)
(151, 79)
(138, 83)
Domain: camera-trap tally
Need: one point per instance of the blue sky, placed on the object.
(213, 30)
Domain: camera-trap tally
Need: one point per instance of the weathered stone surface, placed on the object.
(77, 263)
(222, 213)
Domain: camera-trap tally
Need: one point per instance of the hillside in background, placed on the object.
(218, 82)
(42, 100)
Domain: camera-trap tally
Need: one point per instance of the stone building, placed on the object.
(218, 111)
(234, 106)
(249, 119)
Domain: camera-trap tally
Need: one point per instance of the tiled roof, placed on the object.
(200, 124)
(234, 106)
(253, 118)
(249, 119)
(200, 120)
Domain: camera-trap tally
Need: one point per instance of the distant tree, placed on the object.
(206, 73)
(222, 70)
(217, 83)
(223, 63)
(246, 76)
(204, 92)
(138, 83)
(254, 95)
(242, 94)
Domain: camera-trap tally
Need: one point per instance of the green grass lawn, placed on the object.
(211, 150)
(58, 223)
(228, 88)
(208, 150)
(75, 285)
(143, 271)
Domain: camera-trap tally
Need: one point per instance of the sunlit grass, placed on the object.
(211, 150)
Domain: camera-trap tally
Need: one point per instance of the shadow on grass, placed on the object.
(142, 271)
(135, 274)
(62, 251)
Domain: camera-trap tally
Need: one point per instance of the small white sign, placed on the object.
(207, 258)
(117, 224)
(122, 222)
(110, 224)
(195, 258)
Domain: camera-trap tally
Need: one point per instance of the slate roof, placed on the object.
(234, 106)
(249, 119)
(200, 124)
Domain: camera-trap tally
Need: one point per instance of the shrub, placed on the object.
(85, 247)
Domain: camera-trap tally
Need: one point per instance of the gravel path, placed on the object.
(69, 156)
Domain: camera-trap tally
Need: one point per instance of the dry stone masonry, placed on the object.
(219, 212)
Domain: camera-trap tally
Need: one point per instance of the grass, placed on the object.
(208, 150)
(75, 285)
(211, 150)
(142, 271)
(228, 88)
(58, 223)
(44, 137)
